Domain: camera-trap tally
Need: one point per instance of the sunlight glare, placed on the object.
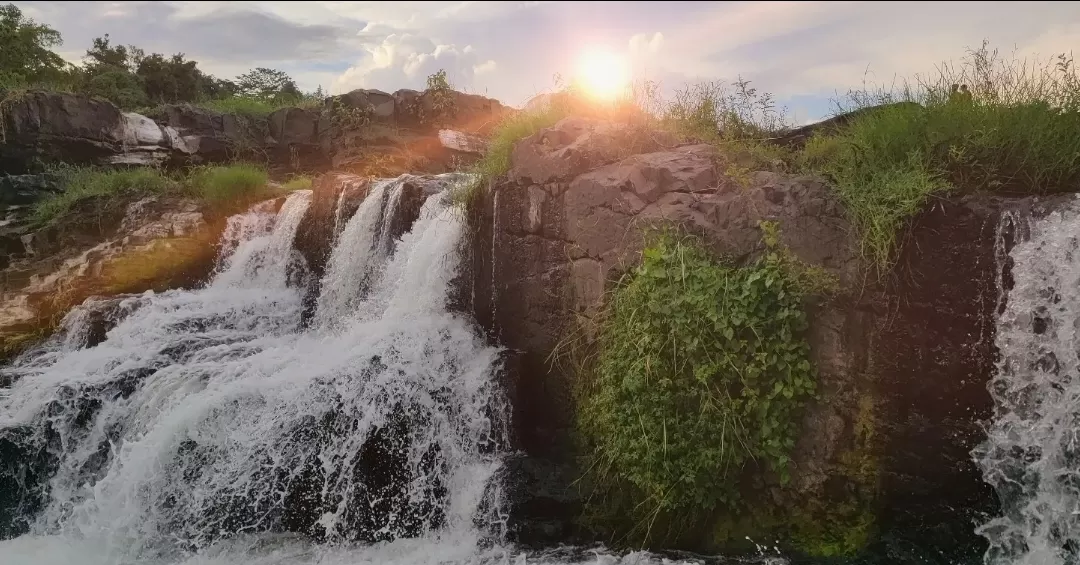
(602, 74)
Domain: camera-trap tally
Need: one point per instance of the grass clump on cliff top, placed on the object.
(700, 367)
(108, 189)
(79, 184)
(496, 161)
(1016, 131)
(228, 183)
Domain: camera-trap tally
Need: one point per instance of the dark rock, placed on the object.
(57, 126)
(212, 136)
(20, 190)
(796, 138)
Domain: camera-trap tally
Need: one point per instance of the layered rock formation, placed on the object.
(902, 362)
(154, 243)
(39, 127)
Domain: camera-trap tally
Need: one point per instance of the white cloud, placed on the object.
(646, 43)
(404, 60)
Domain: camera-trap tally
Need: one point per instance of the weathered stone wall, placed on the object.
(570, 218)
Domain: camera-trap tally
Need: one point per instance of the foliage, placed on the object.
(25, 49)
(299, 182)
(118, 85)
(1017, 134)
(700, 368)
(85, 183)
(107, 189)
(228, 183)
(173, 80)
(345, 118)
(267, 84)
(440, 96)
(252, 107)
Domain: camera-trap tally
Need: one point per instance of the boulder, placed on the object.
(569, 219)
(57, 126)
(211, 136)
(796, 138)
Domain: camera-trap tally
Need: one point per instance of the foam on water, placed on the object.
(210, 421)
(1032, 452)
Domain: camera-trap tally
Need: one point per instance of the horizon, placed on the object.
(806, 54)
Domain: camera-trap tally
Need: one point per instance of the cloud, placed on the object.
(486, 67)
(805, 50)
(404, 60)
(646, 43)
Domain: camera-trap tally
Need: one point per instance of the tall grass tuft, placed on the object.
(229, 183)
(1017, 132)
(85, 183)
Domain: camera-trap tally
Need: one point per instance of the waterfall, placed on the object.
(212, 426)
(1032, 453)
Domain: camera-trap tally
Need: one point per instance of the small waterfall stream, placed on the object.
(213, 426)
(1032, 453)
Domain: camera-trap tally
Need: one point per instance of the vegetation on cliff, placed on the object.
(105, 189)
(699, 369)
(1014, 131)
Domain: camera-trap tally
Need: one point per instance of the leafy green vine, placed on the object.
(701, 367)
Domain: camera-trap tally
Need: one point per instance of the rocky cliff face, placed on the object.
(154, 243)
(902, 363)
(570, 218)
(39, 127)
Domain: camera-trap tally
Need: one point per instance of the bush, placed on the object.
(299, 182)
(84, 183)
(257, 107)
(1016, 132)
(229, 183)
(700, 367)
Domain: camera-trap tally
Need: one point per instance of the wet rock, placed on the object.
(158, 243)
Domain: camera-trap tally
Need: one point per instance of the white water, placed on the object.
(1032, 453)
(209, 419)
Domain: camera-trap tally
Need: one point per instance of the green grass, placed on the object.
(1019, 133)
(107, 189)
(496, 161)
(298, 182)
(86, 183)
(255, 107)
(228, 183)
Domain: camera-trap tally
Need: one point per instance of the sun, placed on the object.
(602, 74)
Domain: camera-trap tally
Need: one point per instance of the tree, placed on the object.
(25, 49)
(172, 80)
(106, 57)
(267, 84)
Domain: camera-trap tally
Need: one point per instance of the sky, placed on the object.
(804, 53)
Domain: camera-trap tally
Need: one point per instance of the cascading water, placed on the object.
(213, 426)
(1032, 453)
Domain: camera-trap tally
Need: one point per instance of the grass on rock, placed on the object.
(215, 185)
(1018, 133)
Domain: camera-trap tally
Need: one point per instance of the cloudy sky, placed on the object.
(803, 52)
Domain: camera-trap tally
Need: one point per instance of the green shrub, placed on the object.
(227, 183)
(700, 368)
(1016, 133)
(299, 182)
(84, 183)
(257, 107)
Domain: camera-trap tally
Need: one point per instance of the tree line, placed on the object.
(126, 75)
